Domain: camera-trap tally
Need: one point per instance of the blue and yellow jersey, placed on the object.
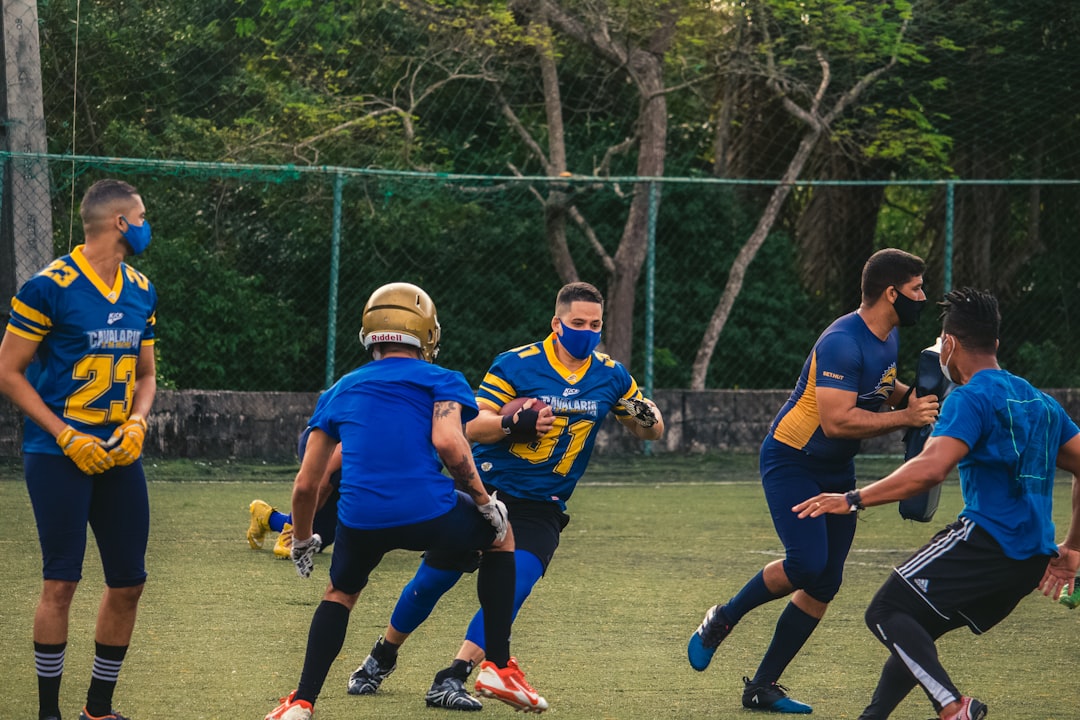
(847, 356)
(549, 468)
(89, 336)
(382, 414)
(1013, 433)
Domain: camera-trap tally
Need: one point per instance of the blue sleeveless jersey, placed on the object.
(847, 356)
(549, 468)
(382, 414)
(89, 336)
(1013, 432)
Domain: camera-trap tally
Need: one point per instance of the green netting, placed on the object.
(294, 155)
(244, 259)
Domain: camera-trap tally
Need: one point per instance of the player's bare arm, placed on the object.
(305, 495)
(454, 450)
(15, 356)
(1061, 571)
(145, 382)
(841, 418)
(325, 486)
(486, 428)
(917, 475)
(897, 397)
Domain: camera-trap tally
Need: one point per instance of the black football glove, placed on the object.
(640, 410)
(521, 426)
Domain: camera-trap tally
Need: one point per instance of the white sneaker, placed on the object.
(508, 684)
(290, 709)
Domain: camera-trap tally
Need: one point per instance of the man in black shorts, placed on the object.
(1006, 437)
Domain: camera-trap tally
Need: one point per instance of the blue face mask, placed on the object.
(579, 343)
(137, 236)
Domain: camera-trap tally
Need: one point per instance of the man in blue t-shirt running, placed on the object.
(1006, 437)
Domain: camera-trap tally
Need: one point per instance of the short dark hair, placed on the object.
(104, 193)
(972, 317)
(575, 292)
(889, 268)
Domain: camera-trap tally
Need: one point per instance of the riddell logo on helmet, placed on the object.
(387, 337)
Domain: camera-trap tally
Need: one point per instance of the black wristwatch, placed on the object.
(854, 500)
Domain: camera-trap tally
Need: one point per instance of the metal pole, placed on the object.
(950, 202)
(335, 269)
(650, 296)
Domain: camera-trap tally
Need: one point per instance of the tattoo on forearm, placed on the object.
(445, 408)
(464, 472)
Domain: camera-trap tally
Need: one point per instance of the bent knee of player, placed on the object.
(806, 571)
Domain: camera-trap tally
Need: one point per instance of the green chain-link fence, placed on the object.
(262, 271)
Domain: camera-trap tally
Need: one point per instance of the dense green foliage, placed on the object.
(976, 90)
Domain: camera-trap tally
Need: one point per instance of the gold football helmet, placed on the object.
(401, 313)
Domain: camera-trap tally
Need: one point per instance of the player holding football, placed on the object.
(1006, 437)
(77, 358)
(534, 460)
(849, 375)
(398, 420)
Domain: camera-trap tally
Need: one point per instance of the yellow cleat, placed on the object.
(283, 546)
(260, 523)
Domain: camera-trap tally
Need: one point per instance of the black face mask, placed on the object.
(907, 310)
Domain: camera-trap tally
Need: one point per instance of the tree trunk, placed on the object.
(555, 209)
(555, 232)
(633, 247)
(745, 257)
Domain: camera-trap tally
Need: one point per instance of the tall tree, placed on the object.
(799, 49)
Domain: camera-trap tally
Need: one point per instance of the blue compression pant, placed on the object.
(528, 573)
(420, 596)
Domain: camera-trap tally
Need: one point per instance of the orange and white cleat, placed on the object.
(291, 709)
(509, 685)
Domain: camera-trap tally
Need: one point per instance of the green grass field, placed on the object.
(652, 544)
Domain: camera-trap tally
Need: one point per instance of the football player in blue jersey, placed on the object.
(264, 517)
(534, 460)
(1006, 437)
(848, 377)
(77, 358)
(399, 419)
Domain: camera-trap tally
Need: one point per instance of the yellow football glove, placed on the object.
(127, 441)
(86, 451)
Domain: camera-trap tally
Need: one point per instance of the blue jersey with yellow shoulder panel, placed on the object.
(1013, 433)
(549, 468)
(89, 336)
(847, 356)
(381, 413)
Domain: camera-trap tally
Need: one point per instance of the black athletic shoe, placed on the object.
(367, 678)
(772, 697)
(452, 695)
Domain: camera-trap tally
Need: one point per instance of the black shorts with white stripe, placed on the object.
(962, 573)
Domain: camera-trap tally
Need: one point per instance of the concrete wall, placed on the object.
(220, 424)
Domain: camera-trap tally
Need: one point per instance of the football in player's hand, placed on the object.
(517, 403)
